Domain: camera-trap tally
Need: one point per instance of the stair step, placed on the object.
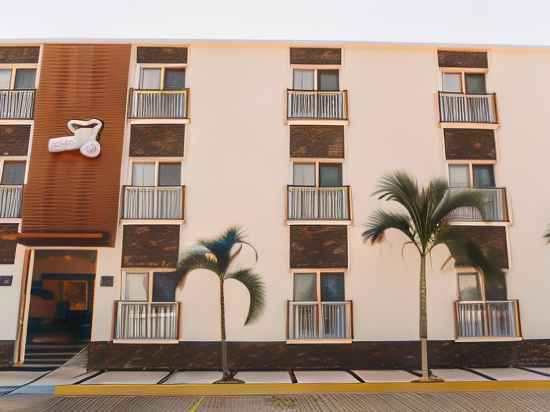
(49, 354)
(54, 347)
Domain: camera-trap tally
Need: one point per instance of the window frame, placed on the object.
(480, 280)
(156, 162)
(318, 274)
(13, 159)
(14, 68)
(316, 69)
(463, 72)
(316, 163)
(162, 67)
(471, 164)
(150, 283)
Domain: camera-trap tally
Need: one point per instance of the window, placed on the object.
(473, 286)
(308, 174)
(319, 287)
(136, 286)
(316, 79)
(17, 78)
(156, 174)
(160, 78)
(13, 173)
(469, 286)
(5, 79)
(469, 83)
(149, 286)
(472, 175)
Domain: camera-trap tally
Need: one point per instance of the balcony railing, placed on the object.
(153, 202)
(158, 104)
(467, 108)
(145, 320)
(486, 319)
(317, 105)
(17, 104)
(10, 201)
(318, 203)
(324, 320)
(495, 206)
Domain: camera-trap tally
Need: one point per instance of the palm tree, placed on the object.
(424, 224)
(217, 255)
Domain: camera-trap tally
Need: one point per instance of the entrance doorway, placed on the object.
(60, 312)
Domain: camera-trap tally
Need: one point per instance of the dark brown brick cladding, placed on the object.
(450, 58)
(466, 144)
(317, 141)
(6, 352)
(14, 139)
(150, 246)
(358, 355)
(13, 55)
(313, 55)
(318, 246)
(8, 243)
(162, 54)
(492, 240)
(163, 140)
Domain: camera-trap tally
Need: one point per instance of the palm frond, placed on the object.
(222, 246)
(547, 235)
(255, 286)
(381, 221)
(197, 258)
(454, 200)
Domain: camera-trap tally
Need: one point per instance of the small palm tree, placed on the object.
(424, 223)
(217, 255)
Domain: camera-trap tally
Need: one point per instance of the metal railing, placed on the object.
(318, 203)
(158, 104)
(17, 104)
(146, 320)
(11, 197)
(495, 206)
(467, 108)
(487, 319)
(153, 202)
(319, 320)
(317, 105)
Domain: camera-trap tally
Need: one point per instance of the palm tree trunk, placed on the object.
(423, 320)
(225, 366)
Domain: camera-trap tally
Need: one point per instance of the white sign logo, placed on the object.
(85, 134)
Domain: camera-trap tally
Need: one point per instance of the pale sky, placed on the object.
(483, 22)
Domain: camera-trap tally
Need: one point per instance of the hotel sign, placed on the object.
(84, 138)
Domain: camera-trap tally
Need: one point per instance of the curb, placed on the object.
(289, 388)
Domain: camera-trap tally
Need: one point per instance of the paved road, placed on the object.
(433, 402)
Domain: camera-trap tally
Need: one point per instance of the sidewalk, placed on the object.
(75, 380)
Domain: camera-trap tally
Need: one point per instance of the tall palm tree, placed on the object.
(217, 255)
(424, 222)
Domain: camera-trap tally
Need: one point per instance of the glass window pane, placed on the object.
(305, 288)
(469, 287)
(143, 174)
(495, 288)
(452, 82)
(303, 79)
(332, 287)
(169, 174)
(328, 80)
(330, 175)
(13, 173)
(150, 79)
(174, 79)
(459, 176)
(304, 174)
(25, 78)
(5, 78)
(483, 176)
(475, 83)
(136, 286)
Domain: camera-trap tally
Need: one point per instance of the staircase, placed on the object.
(50, 356)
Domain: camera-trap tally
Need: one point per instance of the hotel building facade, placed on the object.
(287, 141)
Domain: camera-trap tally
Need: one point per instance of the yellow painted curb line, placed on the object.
(289, 388)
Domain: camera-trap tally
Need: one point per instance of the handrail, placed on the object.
(17, 104)
(318, 203)
(317, 104)
(319, 320)
(153, 202)
(139, 320)
(456, 107)
(11, 200)
(495, 208)
(494, 318)
(158, 103)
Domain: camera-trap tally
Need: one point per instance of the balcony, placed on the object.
(495, 206)
(317, 105)
(156, 321)
(153, 202)
(10, 201)
(319, 321)
(158, 104)
(467, 108)
(17, 104)
(487, 319)
(318, 203)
